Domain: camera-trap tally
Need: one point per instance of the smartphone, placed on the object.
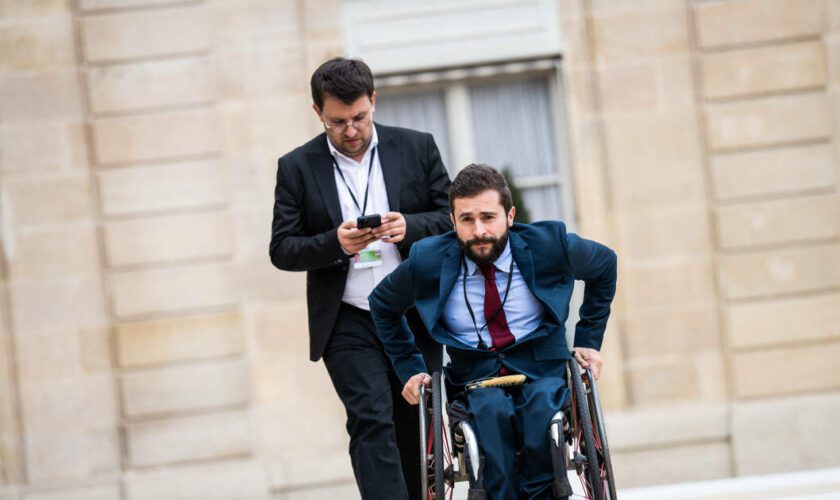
(372, 220)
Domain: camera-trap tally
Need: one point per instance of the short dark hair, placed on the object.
(477, 178)
(343, 79)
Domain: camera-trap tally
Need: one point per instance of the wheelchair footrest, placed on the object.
(561, 487)
(477, 495)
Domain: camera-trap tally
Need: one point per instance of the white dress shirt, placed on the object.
(360, 282)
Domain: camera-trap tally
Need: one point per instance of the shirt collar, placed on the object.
(501, 264)
(374, 141)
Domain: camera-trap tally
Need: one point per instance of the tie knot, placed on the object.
(488, 270)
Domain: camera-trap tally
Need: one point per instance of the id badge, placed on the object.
(367, 258)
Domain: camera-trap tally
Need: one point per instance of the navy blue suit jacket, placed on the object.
(550, 260)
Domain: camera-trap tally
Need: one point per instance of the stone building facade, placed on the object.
(149, 350)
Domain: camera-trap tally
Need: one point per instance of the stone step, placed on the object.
(820, 484)
(815, 484)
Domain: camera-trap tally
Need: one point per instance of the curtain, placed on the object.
(424, 111)
(513, 129)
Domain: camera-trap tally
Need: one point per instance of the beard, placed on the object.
(347, 150)
(495, 251)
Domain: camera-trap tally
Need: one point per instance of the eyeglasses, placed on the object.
(339, 126)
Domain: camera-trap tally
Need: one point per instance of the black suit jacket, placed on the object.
(307, 213)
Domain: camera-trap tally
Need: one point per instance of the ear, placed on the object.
(317, 112)
(452, 218)
(373, 102)
(510, 216)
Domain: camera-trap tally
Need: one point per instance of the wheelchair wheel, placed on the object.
(437, 437)
(589, 469)
(439, 481)
(600, 434)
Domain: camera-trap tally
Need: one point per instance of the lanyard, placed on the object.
(367, 186)
(481, 344)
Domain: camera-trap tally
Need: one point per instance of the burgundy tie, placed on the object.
(493, 312)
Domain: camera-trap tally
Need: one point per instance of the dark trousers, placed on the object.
(517, 419)
(383, 427)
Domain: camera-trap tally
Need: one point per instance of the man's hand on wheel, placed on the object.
(589, 358)
(411, 391)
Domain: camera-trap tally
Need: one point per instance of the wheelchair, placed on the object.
(576, 435)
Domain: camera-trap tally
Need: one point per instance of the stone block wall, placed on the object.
(770, 111)
(639, 165)
(706, 137)
(59, 418)
(153, 110)
(635, 63)
(148, 349)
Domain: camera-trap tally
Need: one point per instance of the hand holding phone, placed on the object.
(392, 229)
(351, 240)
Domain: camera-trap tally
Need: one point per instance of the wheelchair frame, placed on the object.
(577, 437)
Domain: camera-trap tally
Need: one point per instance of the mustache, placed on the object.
(486, 239)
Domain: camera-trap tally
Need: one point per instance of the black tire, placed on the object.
(583, 424)
(437, 440)
(597, 414)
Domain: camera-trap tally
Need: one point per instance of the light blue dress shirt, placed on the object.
(524, 313)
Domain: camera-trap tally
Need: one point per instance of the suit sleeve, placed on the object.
(436, 220)
(388, 304)
(596, 265)
(290, 248)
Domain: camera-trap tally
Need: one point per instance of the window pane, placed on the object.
(543, 203)
(513, 130)
(424, 111)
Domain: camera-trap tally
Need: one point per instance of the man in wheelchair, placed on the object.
(497, 294)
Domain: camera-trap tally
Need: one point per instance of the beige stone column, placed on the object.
(57, 339)
(11, 466)
(658, 187)
(174, 290)
(266, 52)
(641, 185)
(590, 173)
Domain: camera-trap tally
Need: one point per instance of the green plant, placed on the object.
(522, 214)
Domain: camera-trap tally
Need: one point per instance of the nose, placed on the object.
(480, 230)
(350, 131)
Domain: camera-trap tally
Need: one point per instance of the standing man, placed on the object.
(347, 207)
(496, 294)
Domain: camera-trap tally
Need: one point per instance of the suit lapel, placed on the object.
(389, 158)
(449, 271)
(322, 169)
(525, 261)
